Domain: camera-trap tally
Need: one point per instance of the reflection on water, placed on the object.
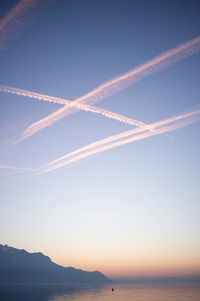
(46, 292)
(100, 293)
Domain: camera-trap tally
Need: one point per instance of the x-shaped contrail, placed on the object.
(107, 89)
(117, 84)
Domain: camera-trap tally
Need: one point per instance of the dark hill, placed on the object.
(21, 266)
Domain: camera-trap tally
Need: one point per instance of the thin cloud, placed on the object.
(16, 19)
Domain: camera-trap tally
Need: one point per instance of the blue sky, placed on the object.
(129, 211)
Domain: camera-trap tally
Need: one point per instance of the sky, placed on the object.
(131, 211)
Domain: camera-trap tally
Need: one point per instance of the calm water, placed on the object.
(100, 293)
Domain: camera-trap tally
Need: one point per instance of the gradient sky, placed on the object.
(134, 210)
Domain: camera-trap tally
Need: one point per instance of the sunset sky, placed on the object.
(131, 211)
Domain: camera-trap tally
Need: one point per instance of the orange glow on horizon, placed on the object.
(128, 267)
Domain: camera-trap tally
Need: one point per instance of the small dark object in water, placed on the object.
(112, 289)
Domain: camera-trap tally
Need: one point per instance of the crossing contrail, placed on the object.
(129, 136)
(71, 104)
(16, 18)
(35, 127)
(119, 83)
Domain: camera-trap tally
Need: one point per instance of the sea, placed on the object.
(111, 292)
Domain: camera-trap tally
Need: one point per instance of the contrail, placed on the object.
(16, 19)
(67, 103)
(14, 168)
(35, 127)
(119, 83)
(129, 136)
(146, 131)
(30, 94)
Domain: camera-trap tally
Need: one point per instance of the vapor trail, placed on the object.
(30, 94)
(119, 83)
(14, 168)
(16, 19)
(159, 127)
(70, 104)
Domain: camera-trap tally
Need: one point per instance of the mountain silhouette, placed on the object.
(20, 266)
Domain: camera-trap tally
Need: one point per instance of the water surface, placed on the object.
(100, 293)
